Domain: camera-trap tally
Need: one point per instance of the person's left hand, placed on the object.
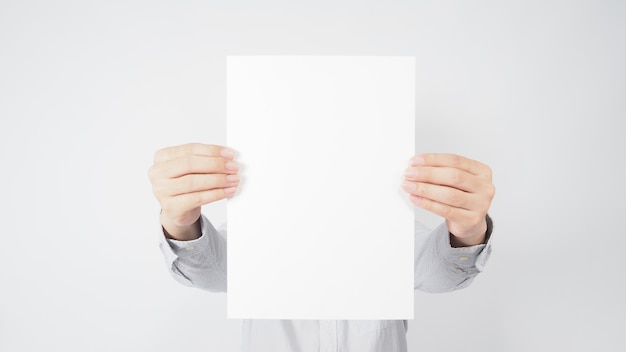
(454, 187)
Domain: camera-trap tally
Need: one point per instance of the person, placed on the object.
(460, 190)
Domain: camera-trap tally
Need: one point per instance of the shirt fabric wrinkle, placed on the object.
(201, 263)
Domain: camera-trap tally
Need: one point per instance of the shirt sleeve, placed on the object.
(439, 267)
(198, 263)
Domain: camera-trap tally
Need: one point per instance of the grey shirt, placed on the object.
(439, 267)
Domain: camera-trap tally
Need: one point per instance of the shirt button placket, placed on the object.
(328, 336)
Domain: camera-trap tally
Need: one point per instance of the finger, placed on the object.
(445, 176)
(194, 183)
(446, 211)
(452, 160)
(179, 151)
(194, 164)
(188, 201)
(442, 194)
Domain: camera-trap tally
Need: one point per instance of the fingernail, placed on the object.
(230, 190)
(232, 178)
(408, 186)
(232, 165)
(417, 160)
(411, 172)
(227, 153)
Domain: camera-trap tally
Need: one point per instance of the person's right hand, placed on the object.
(186, 177)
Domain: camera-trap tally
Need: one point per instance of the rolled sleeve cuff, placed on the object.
(466, 257)
(174, 249)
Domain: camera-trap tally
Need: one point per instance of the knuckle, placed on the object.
(418, 201)
(158, 189)
(424, 173)
(187, 163)
(455, 198)
(440, 209)
(431, 206)
(158, 155)
(194, 148)
(155, 174)
(420, 190)
(488, 172)
(190, 183)
(222, 164)
(455, 160)
(201, 198)
(491, 191)
(215, 195)
(195, 200)
(188, 148)
(484, 209)
(456, 177)
(446, 211)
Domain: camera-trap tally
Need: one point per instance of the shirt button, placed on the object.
(190, 248)
(463, 257)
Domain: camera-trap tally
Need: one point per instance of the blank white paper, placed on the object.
(320, 228)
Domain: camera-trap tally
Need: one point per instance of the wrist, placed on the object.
(479, 235)
(174, 231)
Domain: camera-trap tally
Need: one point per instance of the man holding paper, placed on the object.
(454, 187)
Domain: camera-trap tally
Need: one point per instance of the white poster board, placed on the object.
(320, 228)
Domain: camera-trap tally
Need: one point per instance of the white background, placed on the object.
(88, 92)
